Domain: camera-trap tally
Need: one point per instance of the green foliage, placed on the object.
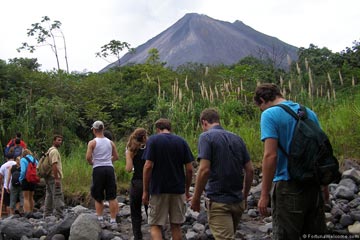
(39, 104)
(113, 48)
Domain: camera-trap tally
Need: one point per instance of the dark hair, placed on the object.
(266, 91)
(136, 140)
(108, 134)
(17, 141)
(211, 115)
(163, 123)
(18, 134)
(57, 136)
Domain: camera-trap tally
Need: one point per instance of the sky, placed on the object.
(89, 24)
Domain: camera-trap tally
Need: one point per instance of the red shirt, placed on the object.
(12, 142)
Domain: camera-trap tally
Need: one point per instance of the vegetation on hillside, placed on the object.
(39, 104)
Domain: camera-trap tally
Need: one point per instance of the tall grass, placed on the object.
(338, 112)
(77, 171)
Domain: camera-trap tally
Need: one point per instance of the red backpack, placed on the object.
(31, 175)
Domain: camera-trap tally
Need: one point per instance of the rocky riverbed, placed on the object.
(342, 212)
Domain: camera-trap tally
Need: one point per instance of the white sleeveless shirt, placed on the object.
(102, 153)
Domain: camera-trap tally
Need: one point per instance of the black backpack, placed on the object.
(15, 174)
(311, 155)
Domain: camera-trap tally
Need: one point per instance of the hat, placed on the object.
(98, 125)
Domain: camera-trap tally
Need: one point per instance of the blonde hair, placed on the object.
(26, 152)
(136, 140)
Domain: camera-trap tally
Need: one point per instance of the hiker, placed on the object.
(167, 178)
(134, 150)
(12, 141)
(13, 183)
(305, 214)
(223, 161)
(4, 172)
(28, 188)
(54, 198)
(101, 153)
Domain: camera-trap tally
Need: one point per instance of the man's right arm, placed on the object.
(268, 172)
(146, 181)
(201, 180)
(89, 151)
(249, 175)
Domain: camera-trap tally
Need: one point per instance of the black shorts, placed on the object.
(103, 184)
(6, 198)
(26, 186)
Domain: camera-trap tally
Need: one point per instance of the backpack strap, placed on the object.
(301, 115)
(28, 160)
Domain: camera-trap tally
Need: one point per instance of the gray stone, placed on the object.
(191, 235)
(85, 227)
(355, 215)
(199, 228)
(352, 174)
(346, 220)
(15, 228)
(344, 192)
(253, 213)
(349, 183)
(266, 228)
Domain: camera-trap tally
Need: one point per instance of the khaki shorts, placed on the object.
(167, 206)
(224, 218)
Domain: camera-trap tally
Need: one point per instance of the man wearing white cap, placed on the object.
(101, 153)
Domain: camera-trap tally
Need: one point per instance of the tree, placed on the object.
(114, 48)
(154, 57)
(29, 63)
(45, 34)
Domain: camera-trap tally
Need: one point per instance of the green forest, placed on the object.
(40, 104)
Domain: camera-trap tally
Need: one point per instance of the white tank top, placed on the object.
(102, 153)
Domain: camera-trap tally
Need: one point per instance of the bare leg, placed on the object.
(176, 231)
(156, 232)
(114, 208)
(26, 201)
(99, 207)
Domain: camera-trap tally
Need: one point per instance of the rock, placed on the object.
(252, 213)
(350, 184)
(85, 227)
(352, 174)
(15, 228)
(355, 228)
(266, 228)
(346, 220)
(344, 192)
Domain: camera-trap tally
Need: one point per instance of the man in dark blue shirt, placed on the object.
(223, 161)
(165, 180)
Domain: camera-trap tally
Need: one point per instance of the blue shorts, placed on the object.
(103, 184)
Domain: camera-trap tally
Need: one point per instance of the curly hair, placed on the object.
(136, 140)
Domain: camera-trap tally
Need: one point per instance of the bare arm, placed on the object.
(8, 179)
(268, 171)
(129, 160)
(201, 180)
(115, 155)
(89, 151)
(146, 181)
(188, 178)
(249, 175)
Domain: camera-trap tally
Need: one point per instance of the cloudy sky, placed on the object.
(89, 24)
